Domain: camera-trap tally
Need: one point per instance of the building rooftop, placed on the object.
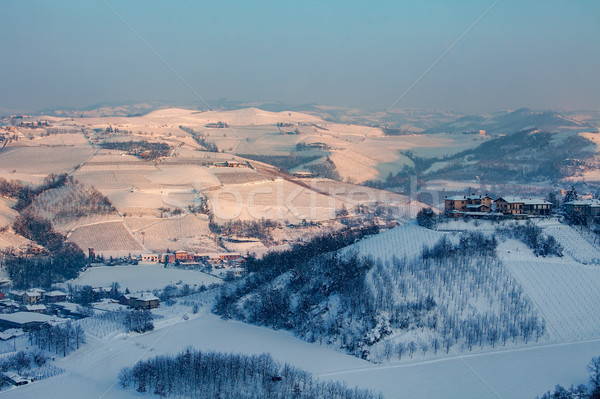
(25, 317)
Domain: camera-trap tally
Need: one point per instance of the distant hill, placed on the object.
(513, 121)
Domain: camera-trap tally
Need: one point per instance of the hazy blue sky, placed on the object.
(539, 54)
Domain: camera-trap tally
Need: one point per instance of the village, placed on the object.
(483, 206)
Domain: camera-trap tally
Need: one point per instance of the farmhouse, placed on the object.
(143, 301)
(467, 203)
(55, 296)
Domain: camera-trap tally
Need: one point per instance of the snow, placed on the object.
(574, 243)
(521, 373)
(404, 241)
(565, 292)
(141, 277)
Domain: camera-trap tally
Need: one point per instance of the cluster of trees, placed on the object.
(434, 293)
(65, 259)
(22, 361)
(148, 149)
(394, 131)
(308, 300)
(207, 375)
(139, 321)
(26, 194)
(200, 139)
(61, 338)
(541, 244)
(354, 303)
(85, 294)
(283, 162)
(28, 364)
(427, 218)
(469, 244)
(580, 391)
(325, 169)
(276, 263)
(260, 229)
(71, 201)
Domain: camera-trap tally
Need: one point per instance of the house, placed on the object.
(55, 296)
(589, 208)
(125, 299)
(510, 205)
(167, 258)
(468, 203)
(536, 206)
(16, 379)
(24, 320)
(523, 206)
(143, 301)
(39, 308)
(230, 256)
(150, 258)
(11, 333)
(30, 297)
(181, 256)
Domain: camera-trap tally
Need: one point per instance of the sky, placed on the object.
(465, 56)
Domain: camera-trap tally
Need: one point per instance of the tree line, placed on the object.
(532, 235)
(26, 194)
(197, 374)
(65, 259)
(200, 139)
(580, 391)
(61, 338)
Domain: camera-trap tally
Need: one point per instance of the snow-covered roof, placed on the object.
(590, 202)
(33, 308)
(467, 197)
(33, 293)
(25, 317)
(108, 305)
(535, 201)
(511, 200)
(456, 198)
(55, 293)
(473, 206)
(11, 333)
(146, 296)
(524, 201)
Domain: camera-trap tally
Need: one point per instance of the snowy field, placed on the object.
(92, 371)
(405, 241)
(565, 292)
(141, 277)
(575, 243)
